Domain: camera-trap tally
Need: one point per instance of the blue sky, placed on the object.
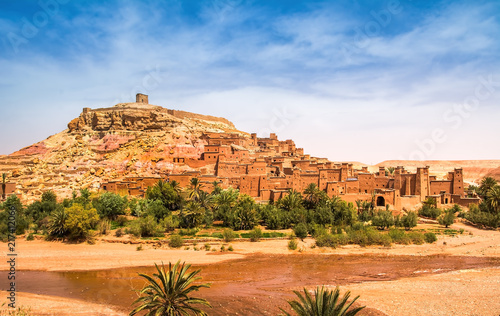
(347, 80)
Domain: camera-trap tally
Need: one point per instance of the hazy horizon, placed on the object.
(346, 80)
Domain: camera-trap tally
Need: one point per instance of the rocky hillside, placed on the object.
(125, 140)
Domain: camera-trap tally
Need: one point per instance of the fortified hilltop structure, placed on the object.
(130, 146)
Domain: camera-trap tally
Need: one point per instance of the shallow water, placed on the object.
(257, 285)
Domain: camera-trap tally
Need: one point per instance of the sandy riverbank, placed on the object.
(467, 292)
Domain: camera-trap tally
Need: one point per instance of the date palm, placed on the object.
(168, 292)
(494, 198)
(324, 303)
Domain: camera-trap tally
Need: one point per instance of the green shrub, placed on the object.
(429, 211)
(230, 248)
(300, 230)
(222, 248)
(409, 221)
(416, 238)
(207, 247)
(228, 235)
(447, 218)
(146, 227)
(326, 240)
(139, 248)
(188, 232)
(256, 234)
(430, 237)
(383, 219)
(169, 223)
(292, 244)
(175, 241)
(398, 236)
(30, 237)
(121, 220)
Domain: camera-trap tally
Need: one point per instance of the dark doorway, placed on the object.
(380, 201)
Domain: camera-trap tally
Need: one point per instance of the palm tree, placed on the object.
(176, 186)
(194, 191)
(167, 292)
(494, 198)
(57, 226)
(292, 201)
(390, 170)
(206, 200)
(217, 188)
(486, 185)
(324, 303)
(313, 194)
(3, 185)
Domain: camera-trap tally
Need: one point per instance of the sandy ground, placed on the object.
(468, 292)
(463, 292)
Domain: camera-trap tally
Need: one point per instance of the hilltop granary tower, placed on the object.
(141, 98)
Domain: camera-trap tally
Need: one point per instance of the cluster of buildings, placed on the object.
(267, 168)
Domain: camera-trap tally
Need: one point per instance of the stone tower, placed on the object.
(141, 98)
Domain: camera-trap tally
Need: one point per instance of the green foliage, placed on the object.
(429, 211)
(167, 193)
(168, 292)
(482, 215)
(175, 241)
(292, 244)
(146, 227)
(256, 234)
(300, 230)
(30, 237)
(169, 223)
(383, 219)
(230, 248)
(324, 303)
(228, 235)
(487, 183)
(157, 209)
(430, 237)
(191, 215)
(447, 218)
(57, 223)
(409, 221)
(416, 238)
(398, 236)
(80, 221)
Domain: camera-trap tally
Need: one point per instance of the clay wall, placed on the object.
(441, 185)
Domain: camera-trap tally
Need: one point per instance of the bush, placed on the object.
(169, 223)
(429, 211)
(80, 221)
(119, 232)
(292, 244)
(228, 235)
(104, 226)
(416, 238)
(188, 232)
(447, 218)
(146, 227)
(175, 241)
(398, 236)
(255, 234)
(30, 237)
(409, 221)
(110, 205)
(121, 220)
(326, 240)
(300, 230)
(207, 247)
(383, 219)
(430, 237)
(230, 248)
